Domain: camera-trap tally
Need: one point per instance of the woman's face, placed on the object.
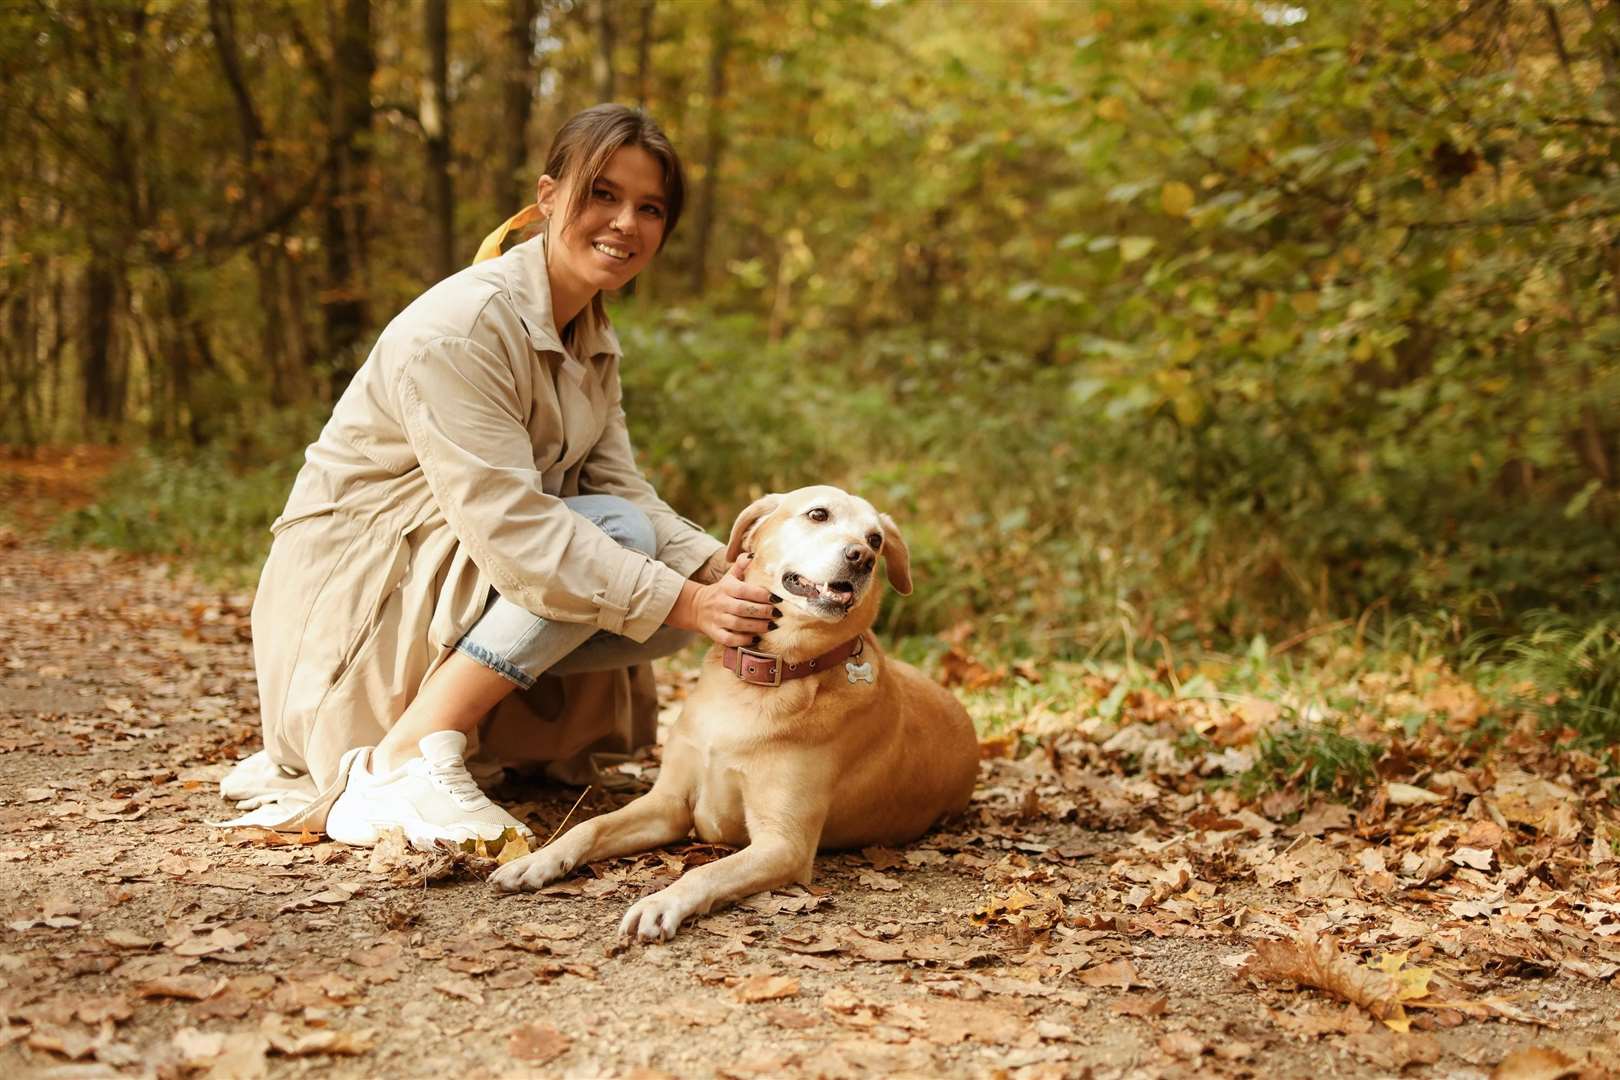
(617, 231)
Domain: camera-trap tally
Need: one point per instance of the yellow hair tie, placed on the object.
(491, 246)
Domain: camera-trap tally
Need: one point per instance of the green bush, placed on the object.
(199, 505)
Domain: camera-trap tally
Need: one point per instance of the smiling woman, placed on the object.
(471, 522)
(620, 201)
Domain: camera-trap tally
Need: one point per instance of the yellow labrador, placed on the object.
(812, 739)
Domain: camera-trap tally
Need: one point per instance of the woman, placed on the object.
(471, 523)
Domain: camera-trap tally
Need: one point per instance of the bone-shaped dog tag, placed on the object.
(859, 672)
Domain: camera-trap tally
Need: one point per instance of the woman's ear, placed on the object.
(743, 528)
(545, 195)
(896, 556)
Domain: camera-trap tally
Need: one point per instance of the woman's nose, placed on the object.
(625, 219)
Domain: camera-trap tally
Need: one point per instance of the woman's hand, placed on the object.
(728, 612)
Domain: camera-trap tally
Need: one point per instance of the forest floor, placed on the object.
(1093, 914)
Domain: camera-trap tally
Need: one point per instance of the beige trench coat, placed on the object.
(439, 477)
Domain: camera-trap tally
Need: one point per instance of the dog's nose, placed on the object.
(859, 558)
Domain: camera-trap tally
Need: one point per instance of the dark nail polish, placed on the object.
(773, 625)
(775, 599)
(776, 613)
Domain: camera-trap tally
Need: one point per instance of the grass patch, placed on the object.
(1311, 758)
(195, 506)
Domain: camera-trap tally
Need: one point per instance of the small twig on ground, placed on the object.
(568, 815)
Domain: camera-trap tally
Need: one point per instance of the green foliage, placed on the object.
(1312, 757)
(1573, 667)
(196, 504)
(1151, 320)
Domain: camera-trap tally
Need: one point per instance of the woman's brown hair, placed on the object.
(583, 145)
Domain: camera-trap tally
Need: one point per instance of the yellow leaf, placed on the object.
(515, 847)
(1132, 248)
(1176, 198)
(1111, 108)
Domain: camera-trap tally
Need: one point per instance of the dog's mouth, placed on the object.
(835, 597)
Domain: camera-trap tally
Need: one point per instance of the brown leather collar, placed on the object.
(763, 669)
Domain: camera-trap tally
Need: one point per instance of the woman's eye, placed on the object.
(652, 210)
(818, 514)
(602, 193)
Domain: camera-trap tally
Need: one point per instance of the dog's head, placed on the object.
(817, 548)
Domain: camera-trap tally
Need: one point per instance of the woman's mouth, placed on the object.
(618, 254)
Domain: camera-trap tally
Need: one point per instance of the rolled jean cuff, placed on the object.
(495, 663)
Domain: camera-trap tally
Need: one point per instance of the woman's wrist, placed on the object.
(683, 616)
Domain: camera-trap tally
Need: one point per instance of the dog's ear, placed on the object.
(743, 528)
(896, 556)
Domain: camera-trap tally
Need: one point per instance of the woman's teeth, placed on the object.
(611, 251)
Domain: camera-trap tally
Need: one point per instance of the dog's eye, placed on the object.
(818, 514)
(875, 541)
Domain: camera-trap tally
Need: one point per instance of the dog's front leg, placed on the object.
(651, 821)
(767, 862)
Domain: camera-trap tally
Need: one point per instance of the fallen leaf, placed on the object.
(186, 987)
(1183, 1044)
(1478, 858)
(537, 1043)
(1316, 962)
(296, 1041)
(1407, 795)
(465, 989)
(878, 881)
(1145, 1006)
(114, 1007)
(792, 1019)
(68, 1042)
(221, 940)
(1394, 1051)
(1536, 1063)
(224, 1054)
(766, 988)
(1120, 973)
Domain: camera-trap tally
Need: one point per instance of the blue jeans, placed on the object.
(522, 646)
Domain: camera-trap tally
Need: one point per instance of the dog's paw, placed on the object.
(530, 872)
(653, 918)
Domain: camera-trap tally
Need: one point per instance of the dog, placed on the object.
(813, 739)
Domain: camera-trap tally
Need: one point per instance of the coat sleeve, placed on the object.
(610, 469)
(462, 413)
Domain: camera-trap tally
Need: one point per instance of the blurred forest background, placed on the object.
(1161, 325)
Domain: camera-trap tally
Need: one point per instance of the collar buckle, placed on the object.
(771, 663)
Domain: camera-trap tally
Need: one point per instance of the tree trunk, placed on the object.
(600, 17)
(102, 402)
(285, 381)
(18, 366)
(519, 105)
(714, 148)
(644, 54)
(343, 303)
(435, 113)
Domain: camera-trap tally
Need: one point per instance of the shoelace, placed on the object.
(453, 778)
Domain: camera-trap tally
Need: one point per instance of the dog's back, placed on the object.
(916, 764)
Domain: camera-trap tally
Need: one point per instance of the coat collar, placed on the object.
(531, 291)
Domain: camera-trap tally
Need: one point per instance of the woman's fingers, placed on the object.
(738, 589)
(741, 612)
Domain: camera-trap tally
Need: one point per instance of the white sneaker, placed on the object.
(431, 797)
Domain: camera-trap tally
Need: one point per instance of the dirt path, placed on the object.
(1080, 922)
